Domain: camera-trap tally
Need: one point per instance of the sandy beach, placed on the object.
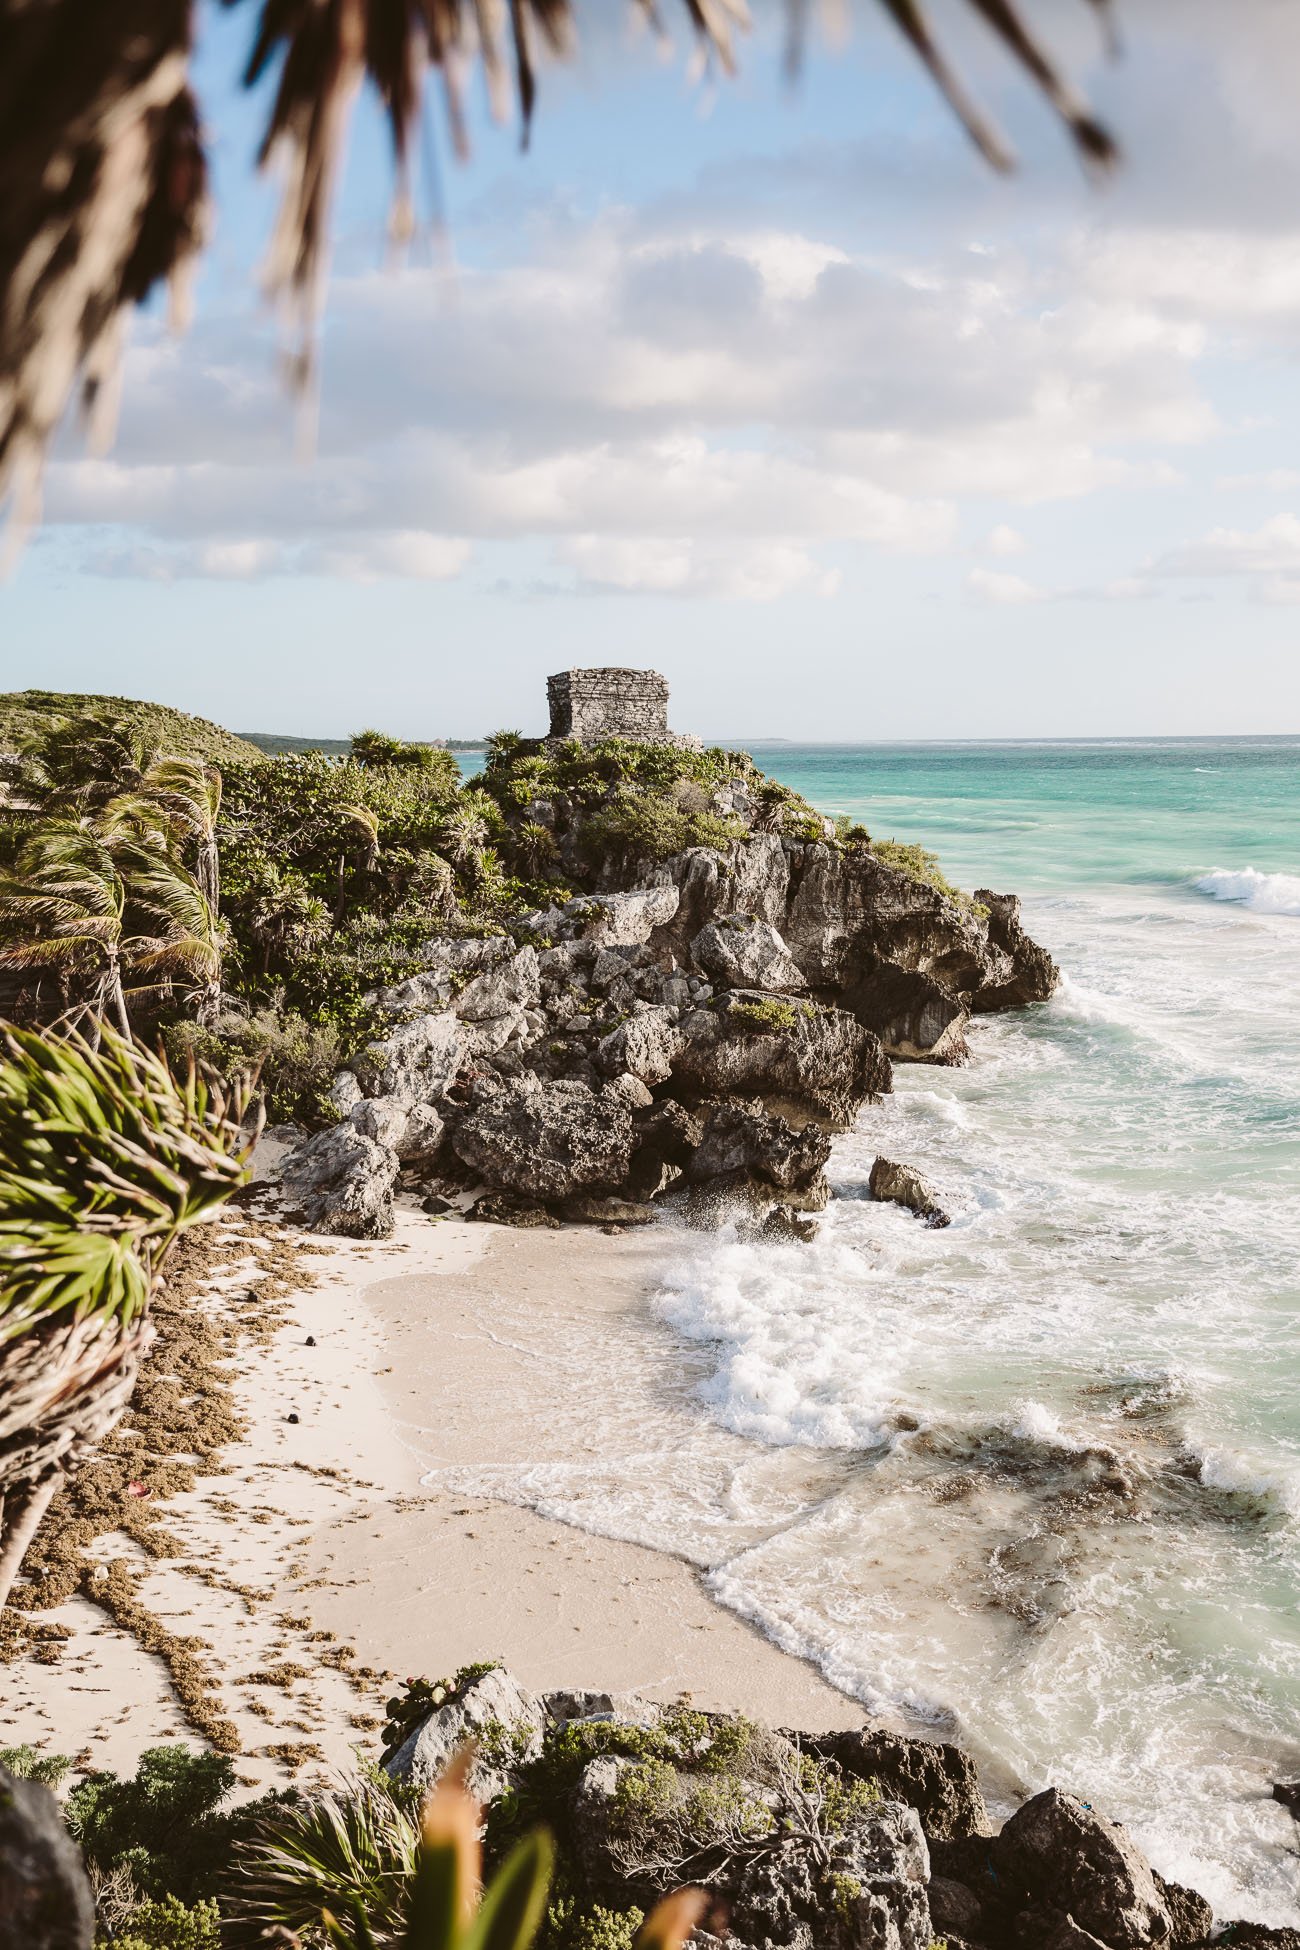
(330, 1555)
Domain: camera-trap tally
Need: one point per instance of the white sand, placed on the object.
(323, 1526)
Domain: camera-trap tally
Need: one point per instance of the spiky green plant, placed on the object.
(105, 1158)
(360, 1870)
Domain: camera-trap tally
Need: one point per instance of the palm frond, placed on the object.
(105, 1156)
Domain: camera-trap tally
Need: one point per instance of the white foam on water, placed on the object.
(1263, 893)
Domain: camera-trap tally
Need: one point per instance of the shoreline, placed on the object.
(315, 1566)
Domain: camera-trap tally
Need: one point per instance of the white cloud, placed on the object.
(407, 552)
(1273, 548)
(1005, 540)
(990, 586)
(683, 568)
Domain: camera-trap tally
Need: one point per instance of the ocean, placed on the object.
(1031, 1481)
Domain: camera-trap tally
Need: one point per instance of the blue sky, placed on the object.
(780, 393)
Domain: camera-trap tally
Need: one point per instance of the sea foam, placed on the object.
(1263, 893)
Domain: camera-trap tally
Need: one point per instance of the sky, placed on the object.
(779, 391)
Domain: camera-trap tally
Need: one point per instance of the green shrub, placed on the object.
(768, 1013)
(167, 1923)
(169, 1825)
(28, 1765)
(642, 827)
(919, 864)
(297, 1060)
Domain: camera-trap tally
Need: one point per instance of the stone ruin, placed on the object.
(591, 705)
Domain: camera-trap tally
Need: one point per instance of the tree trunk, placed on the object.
(116, 997)
(210, 873)
(62, 1388)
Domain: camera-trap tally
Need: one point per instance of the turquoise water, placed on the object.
(1032, 1480)
(1122, 1276)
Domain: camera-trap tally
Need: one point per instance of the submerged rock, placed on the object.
(898, 1184)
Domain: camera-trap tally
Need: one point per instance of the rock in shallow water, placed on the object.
(1075, 1862)
(897, 1184)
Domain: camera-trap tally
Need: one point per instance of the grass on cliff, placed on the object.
(32, 714)
(920, 864)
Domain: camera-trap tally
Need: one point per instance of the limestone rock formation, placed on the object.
(1074, 1861)
(938, 1780)
(744, 1149)
(342, 1181)
(900, 1185)
(740, 951)
(801, 1060)
(545, 1140)
(915, 1017)
(494, 1701)
(744, 998)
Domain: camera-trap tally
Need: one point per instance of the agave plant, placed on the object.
(359, 1871)
(106, 1157)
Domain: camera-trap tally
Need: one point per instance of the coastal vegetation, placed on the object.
(174, 1864)
(109, 1159)
(248, 910)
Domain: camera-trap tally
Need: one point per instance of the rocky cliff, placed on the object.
(859, 1840)
(695, 1026)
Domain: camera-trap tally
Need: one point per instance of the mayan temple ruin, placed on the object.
(591, 705)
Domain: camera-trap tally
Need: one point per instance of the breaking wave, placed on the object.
(1263, 893)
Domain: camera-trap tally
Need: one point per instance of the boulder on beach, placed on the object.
(545, 1140)
(342, 1181)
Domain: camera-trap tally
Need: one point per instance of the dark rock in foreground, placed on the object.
(45, 1900)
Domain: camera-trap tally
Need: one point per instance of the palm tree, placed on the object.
(365, 829)
(65, 907)
(532, 846)
(287, 914)
(464, 834)
(85, 87)
(105, 1158)
(190, 940)
(189, 791)
(91, 898)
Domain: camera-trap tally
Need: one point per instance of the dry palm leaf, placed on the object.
(103, 178)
